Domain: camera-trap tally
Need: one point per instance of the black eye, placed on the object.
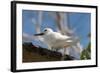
(45, 30)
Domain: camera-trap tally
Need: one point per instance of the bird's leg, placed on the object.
(56, 50)
(53, 49)
(49, 48)
(63, 54)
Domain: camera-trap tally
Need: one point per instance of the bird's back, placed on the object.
(55, 39)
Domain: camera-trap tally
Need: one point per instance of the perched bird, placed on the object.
(56, 40)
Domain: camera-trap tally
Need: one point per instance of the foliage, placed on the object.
(86, 53)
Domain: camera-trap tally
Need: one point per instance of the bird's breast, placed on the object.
(55, 40)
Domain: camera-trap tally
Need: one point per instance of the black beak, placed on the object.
(40, 34)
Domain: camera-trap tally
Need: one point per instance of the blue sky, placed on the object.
(80, 22)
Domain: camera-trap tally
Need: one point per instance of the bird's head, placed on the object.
(45, 31)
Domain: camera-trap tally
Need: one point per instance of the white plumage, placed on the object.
(56, 40)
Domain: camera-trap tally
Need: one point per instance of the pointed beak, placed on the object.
(40, 34)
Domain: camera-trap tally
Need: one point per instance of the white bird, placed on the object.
(56, 40)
